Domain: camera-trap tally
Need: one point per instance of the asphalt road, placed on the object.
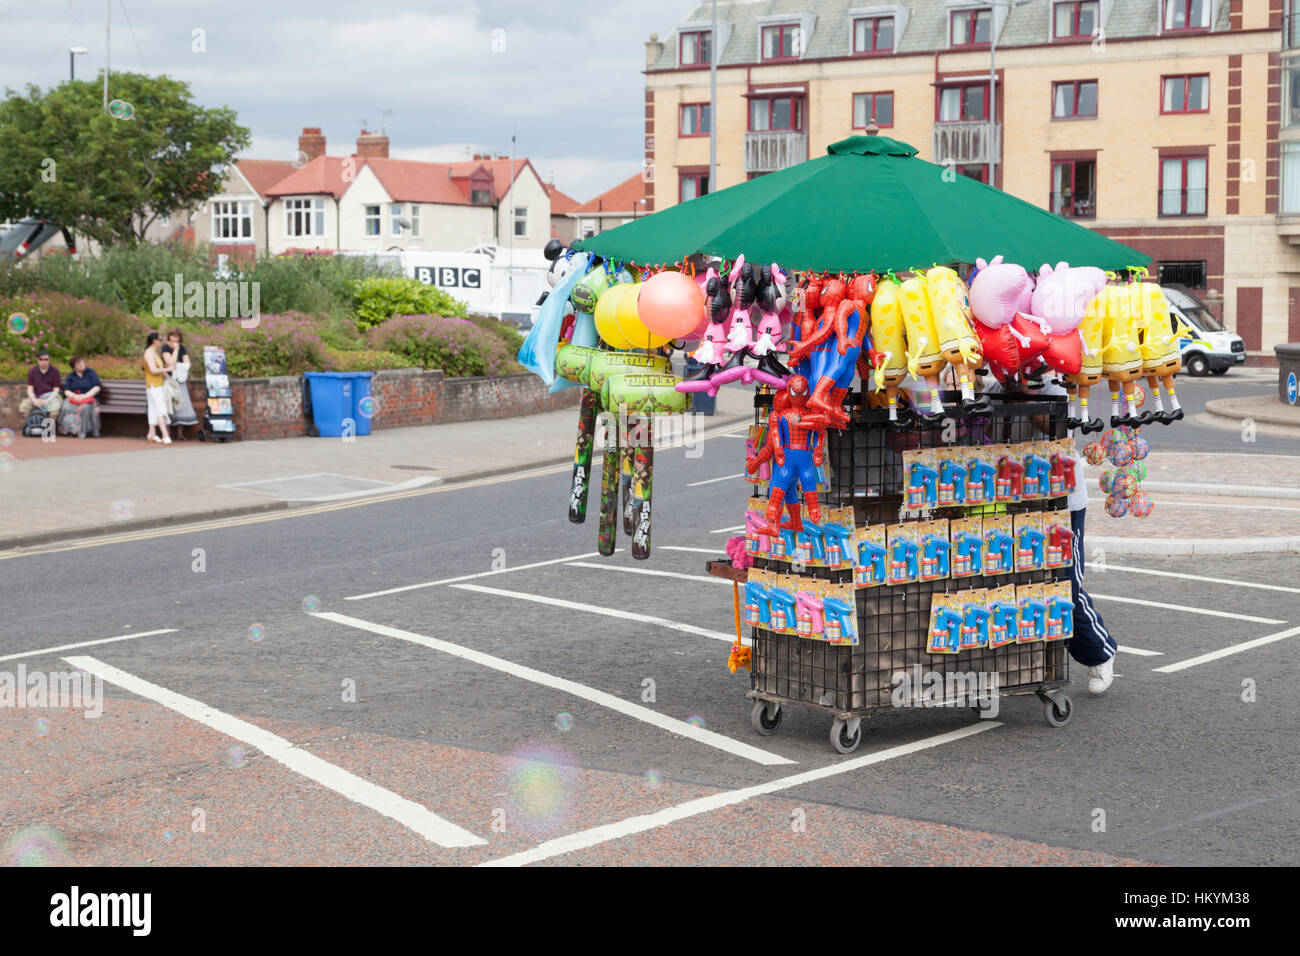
(422, 700)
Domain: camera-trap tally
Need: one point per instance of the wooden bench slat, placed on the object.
(123, 397)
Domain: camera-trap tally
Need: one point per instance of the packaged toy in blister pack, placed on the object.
(837, 536)
(1004, 615)
(756, 544)
(903, 558)
(967, 547)
(1060, 539)
(870, 556)
(1060, 610)
(1031, 542)
(952, 476)
(1010, 480)
(839, 609)
(781, 600)
(999, 545)
(754, 443)
(758, 600)
(975, 618)
(1064, 474)
(936, 549)
(981, 475)
(921, 478)
(945, 624)
(1033, 613)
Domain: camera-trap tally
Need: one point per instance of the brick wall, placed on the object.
(272, 407)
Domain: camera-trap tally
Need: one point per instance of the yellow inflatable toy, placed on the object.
(950, 305)
(1121, 353)
(888, 342)
(924, 356)
(1161, 355)
(606, 316)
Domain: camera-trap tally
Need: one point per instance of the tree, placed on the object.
(109, 175)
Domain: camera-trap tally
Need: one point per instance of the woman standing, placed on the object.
(177, 359)
(155, 376)
(80, 414)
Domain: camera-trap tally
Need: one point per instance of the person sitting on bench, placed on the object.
(42, 388)
(80, 416)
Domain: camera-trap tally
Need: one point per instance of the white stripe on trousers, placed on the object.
(1083, 601)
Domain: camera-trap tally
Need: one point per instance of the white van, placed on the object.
(1213, 348)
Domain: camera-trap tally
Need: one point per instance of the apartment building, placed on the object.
(1165, 124)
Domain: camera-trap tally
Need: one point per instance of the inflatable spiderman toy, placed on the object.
(796, 440)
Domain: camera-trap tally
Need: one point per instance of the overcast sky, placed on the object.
(568, 76)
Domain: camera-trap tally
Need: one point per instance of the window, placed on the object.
(1074, 100)
(1185, 94)
(775, 113)
(588, 228)
(873, 35)
(232, 220)
(781, 42)
(1290, 93)
(415, 219)
(480, 197)
(694, 47)
(1074, 188)
(978, 171)
(692, 185)
(1075, 19)
(1289, 201)
(693, 120)
(1182, 185)
(963, 103)
(1187, 14)
(372, 220)
(873, 107)
(164, 220)
(304, 217)
(521, 221)
(395, 214)
(970, 27)
(1190, 275)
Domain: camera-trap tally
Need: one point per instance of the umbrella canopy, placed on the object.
(870, 203)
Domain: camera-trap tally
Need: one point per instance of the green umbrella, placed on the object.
(868, 204)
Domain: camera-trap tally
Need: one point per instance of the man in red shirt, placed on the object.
(42, 388)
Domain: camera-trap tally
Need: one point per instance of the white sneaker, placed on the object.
(1101, 677)
(167, 439)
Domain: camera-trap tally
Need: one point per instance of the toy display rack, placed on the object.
(851, 682)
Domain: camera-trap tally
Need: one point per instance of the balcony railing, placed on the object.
(967, 142)
(1182, 202)
(767, 152)
(1074, 205)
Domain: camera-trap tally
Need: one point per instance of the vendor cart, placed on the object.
(850, 682)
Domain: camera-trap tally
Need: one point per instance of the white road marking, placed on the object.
(406, 812)
(1139, 652)
(1104, 567)
(606, 611)
(585, 839)
(627, 708)
(739, 527)
(706, 578)
(1225, 652)
(470, 577)
(709, 481)
(721, 555)
(72, 647)
(1208, 612)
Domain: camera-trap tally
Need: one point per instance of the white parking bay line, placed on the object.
(644, 714)
(1208, 612)
(709, 481)
(584, 839)
(706, 578)
(677, 547)
(406, 812)
(1137, 651)
(1234, 649)
(739, 527)
(471, 577)
(1104, 567)
(606, 611)
(72, 647)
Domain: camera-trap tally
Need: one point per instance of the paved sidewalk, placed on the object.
(77, 488)
(1270, 416)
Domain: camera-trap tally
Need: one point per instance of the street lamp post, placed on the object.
(73, 53)
(993, 79)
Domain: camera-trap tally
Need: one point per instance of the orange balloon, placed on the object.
(671, 305)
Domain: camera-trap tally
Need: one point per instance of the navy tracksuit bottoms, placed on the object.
(1091, 644)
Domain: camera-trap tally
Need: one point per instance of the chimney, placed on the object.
(311, 142)
(654, 46)
(371, 144)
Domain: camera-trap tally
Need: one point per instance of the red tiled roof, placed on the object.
(322, 175)
(560, 202)
(498, 169)
(618, 199)
(407, 180)
(262, 174)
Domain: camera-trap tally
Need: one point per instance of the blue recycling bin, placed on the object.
(337, 399)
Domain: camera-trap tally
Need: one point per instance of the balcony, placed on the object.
(1074, 205)
(768, 152)
(967, 142)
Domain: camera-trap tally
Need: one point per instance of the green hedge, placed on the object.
(380, 298)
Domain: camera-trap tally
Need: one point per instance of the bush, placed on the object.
(366, 360)
(457, 346)
(68, 326)
(504, 330)
(280, 345)
(379, 298)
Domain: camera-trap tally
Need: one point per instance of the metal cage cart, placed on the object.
(851, 682)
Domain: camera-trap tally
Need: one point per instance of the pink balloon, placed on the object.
(671, 305)
(1000, 290)
(1061, 295)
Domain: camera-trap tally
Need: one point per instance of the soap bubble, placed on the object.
(255, 633)
(563, 721)
(311, 604)
(6, 437)
(235, 758)
(42, 727)
(122, 509)
(18, 323)
(367, 407)
(35, 846)
(651, 780)
(696, 722)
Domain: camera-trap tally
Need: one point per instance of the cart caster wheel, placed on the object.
(765, 722)
(1058, 715)
(841, 740)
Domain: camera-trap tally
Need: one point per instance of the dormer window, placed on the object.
(480, 197)
(873, 35)
(1186, 15)
(782, 41)
(971, 27)
(693, 48)
(1075, 20)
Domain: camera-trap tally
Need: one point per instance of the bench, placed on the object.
(123, 397)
